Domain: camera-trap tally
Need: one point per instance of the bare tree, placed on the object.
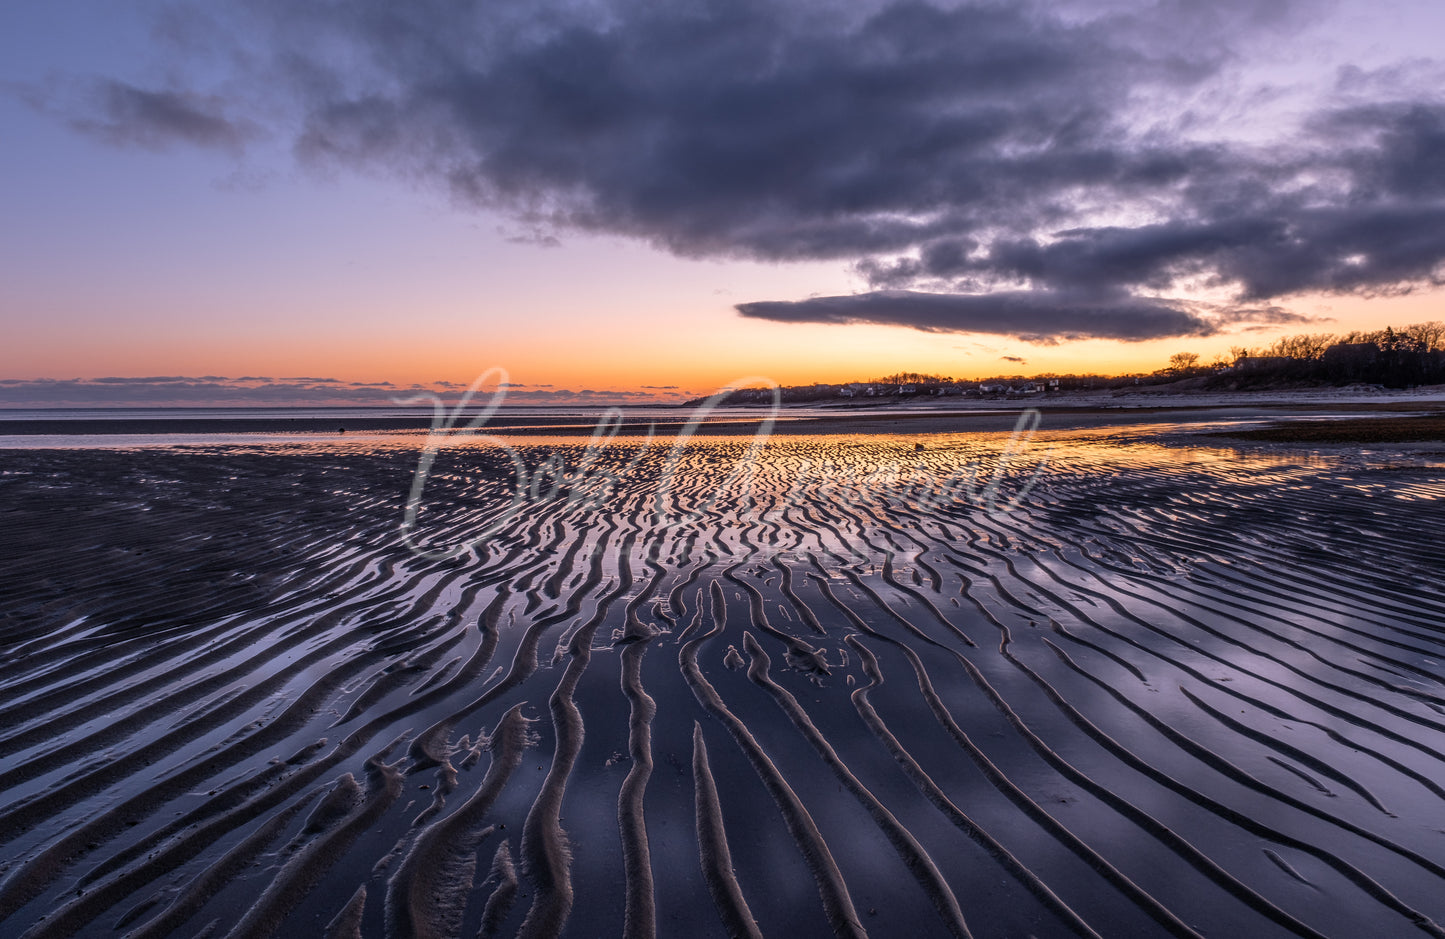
(1431, 335)
(1302, 346)
(1181, 362)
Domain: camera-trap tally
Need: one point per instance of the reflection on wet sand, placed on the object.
(1088, 686)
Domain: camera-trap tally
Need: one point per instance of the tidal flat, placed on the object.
(1110, 682)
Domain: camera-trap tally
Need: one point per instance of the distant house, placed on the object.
(992, 387)
(1264, 363)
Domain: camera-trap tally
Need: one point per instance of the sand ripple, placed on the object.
(1171, 692)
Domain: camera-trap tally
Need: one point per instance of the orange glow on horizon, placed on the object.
(567, 351)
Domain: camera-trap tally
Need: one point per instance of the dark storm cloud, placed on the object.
(1030, 315)
(128, 116)
(1373, 218)
(764, 130)
(966, 149)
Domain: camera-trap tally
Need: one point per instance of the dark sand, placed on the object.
(1177, 690)
(929, 415)
(1417, 429)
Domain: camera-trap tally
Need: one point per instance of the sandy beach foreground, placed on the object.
(911, 683)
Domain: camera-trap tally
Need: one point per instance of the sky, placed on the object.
(267, 202)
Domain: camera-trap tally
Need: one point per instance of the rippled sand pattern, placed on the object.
(1174, 692)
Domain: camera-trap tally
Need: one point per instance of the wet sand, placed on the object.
(1183, 689)
(913, 415)
(1416, 429)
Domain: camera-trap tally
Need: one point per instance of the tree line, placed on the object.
(1395, 358)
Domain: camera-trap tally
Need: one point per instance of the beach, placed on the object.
(1093, 674)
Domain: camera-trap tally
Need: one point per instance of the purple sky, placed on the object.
(612, 195)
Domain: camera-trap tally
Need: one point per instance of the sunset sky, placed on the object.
(641, 199)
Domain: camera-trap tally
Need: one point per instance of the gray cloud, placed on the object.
(1002, 156)
(1031, 315)
(1373, 219)
(125, 115)
(761, 130)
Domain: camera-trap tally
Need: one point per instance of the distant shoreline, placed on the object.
(918, 417)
